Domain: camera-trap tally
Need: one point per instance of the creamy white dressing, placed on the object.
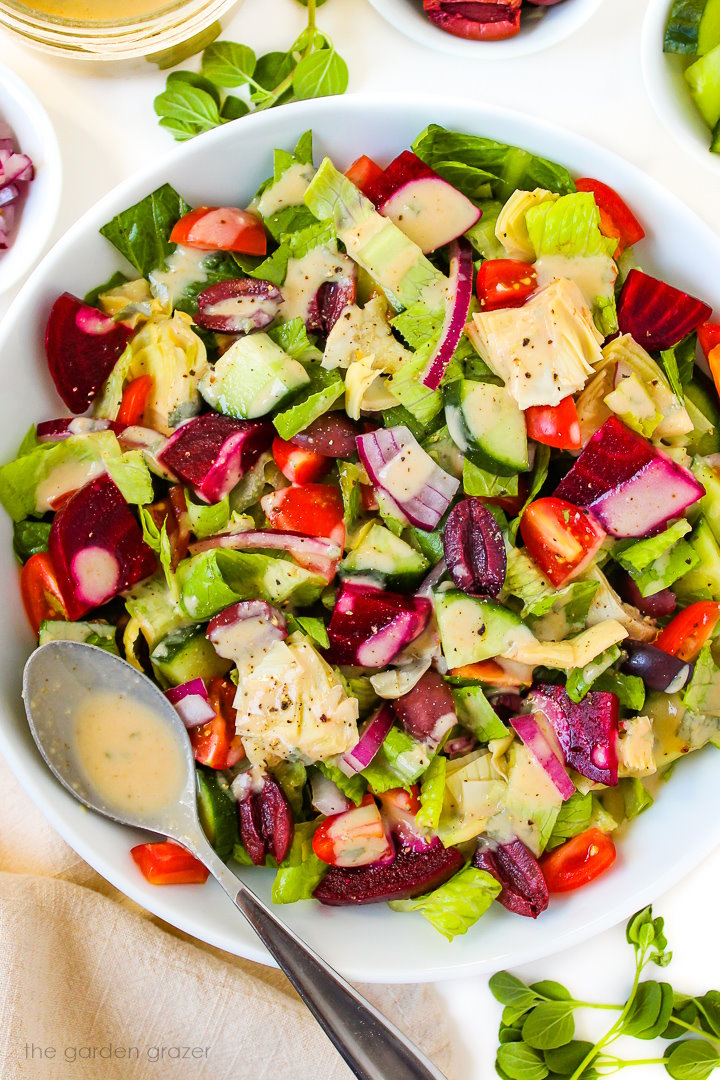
(128, 754)
(593, 274)
(420, 204)
(305, 276)
(289, 190)
(182, 269)
(65, 478)
(405, 475)
(243, 307)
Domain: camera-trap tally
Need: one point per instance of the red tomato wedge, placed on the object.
(215, 744)
(713, 359)
(616, 217)
(561, 538)
(708, 336)
(505, 283)
(40, 591)
(313, 509)
(578, 861)
(686, 634)
(134, 400)
(168, 863)
(364, 172)
(354, 838)
(299, 465)
(221, 228)
(555, 425)
(490, 673)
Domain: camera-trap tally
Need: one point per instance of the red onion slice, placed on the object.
(538, 743)
(421, 489)
(456, 313)
(372, 736)
(191, 703)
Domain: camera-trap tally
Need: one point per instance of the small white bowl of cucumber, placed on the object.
(681, 66)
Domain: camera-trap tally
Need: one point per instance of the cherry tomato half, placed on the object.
(685, 636)
(490, 673)
(313, 509)
(215, 744)
(364, 172)
(616, 217)
(299, 465)
(578, 861)
(356, 837)
(561, 538)
(505, 283)
(708, 336)
(221, 228)
(168, 863)
(134, 400)
(40, 591)
(555, 425)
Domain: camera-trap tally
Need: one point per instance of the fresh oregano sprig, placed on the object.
(537, 1032)
(193, 102)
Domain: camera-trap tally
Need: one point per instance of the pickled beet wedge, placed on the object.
(212, 452)
(66, 427)
(329, 302)
(587, 731)
(411, 873)
(81, 345)
(369, 626)
(632, 488)
(474, 549)
(96, 547)
(427, 712)
(238, 306)
(657, 314)
(476, 21)
(266, 823)
(524, 889)
(332, 435)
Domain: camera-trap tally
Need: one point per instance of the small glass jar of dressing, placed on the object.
(162, 32)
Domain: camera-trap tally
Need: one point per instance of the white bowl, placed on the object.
(35, 136)
(539, 29)
(372, 943)
(667, 89)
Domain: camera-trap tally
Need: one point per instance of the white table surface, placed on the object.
(592, 84)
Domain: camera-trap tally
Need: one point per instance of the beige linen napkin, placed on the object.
(91, 985)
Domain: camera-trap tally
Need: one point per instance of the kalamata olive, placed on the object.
(524, 890)
(474, 549)
(238, 306)
(266, 823)
(332, 435)
(427, 712)
(657, 669)
(657, 606)
(329, 302)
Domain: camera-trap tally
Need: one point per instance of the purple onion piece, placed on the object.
(474, 549)
(238, 306)
(524, 889)
(657, 669)
(191, 703)
(586, 730)
(253, 539)
(540, 744)
(458, 306)
(371, 739)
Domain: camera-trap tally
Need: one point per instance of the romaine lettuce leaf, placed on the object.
(319, 395)
(400, 762)
(349, 476)
(703, 691)
(568, 226)
(142, 232)
(417, 324)
(482, 234)
(312, 626)
(301, 872)
(580, 680)
(293, 338)
(678, 363)
(432, 792)
(630, 689)
(538, 478)
(635, 796)
(207, 519)
(405, 384)
(475, 713)
(354, 787)
(292, 778)
(573, 819)
(477, 481)
(658, 562)
(458, 904)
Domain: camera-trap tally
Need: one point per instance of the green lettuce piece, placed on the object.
(295, 245)
(289, 219)
(429, 544)
(418, 324)
(214, 579)
(292, 778)
(630, 689)
(703, 692)
(353, 787)
(636, 797)
(117, 278)
(538, 478)
(678, 363)
(349, 475)
(400, 762)
(458, 904)
(580, 680)
(132, 476)
(312, 626)
(482, 234)
(359, 687)
(475, 713)
(635, 404)
(540, 597)
(477, 481)
(602, 818)
(424, 404)
(292, 337)
(505, 167)
(605, 315)
(658, 562)
(159, 541)
(301, 872)
(207, 519)
(573, 819)
(29, 442)
(432, 793)
(568, 226)
(319, 395)
(30, 538)
(241, 856)
(142, 232)
(151, 603)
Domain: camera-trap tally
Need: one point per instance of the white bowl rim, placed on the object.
(164, 903)
(675, 111)
(563, 20)
(21, 255)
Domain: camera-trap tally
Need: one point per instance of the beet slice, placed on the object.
(369, 626)
(427, 712)
(212, 452)
(82, 346)
(587, 730)
(67, 426)
(266, 823)
(411, 873)
(657, 314)
(96, 547)
(332, 435)
(476, 21)
(474, 549)
(329, 302)
(238, 306)
(524, 889)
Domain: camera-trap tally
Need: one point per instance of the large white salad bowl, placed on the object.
(372, 944)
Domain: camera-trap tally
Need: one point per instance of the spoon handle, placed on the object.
(372, 1047)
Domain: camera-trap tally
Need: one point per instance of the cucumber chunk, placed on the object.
(700, 396)
(187, 654)
(386, 558)
(487, 425)
(217, 811)
(703, 78)
(472, 629)
(693, 27)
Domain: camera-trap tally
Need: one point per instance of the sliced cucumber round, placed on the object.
(487, 425)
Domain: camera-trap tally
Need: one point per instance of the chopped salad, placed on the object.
(403, 484)
(693, 33)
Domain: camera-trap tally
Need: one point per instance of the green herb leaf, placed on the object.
(233, 108)
(194, 78)
(142, 232)
(650, 1010)
(709, 1008)
(272, 68)
(521, 1062)
(509, 990)
(566, 1059)
(321, 74)
(692, 1059)
(187, 108)
(228, 64)
(550, 1024)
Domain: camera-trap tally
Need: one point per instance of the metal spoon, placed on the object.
(57, 679)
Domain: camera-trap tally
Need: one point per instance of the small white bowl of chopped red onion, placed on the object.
(30, 179)
(491, 29)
